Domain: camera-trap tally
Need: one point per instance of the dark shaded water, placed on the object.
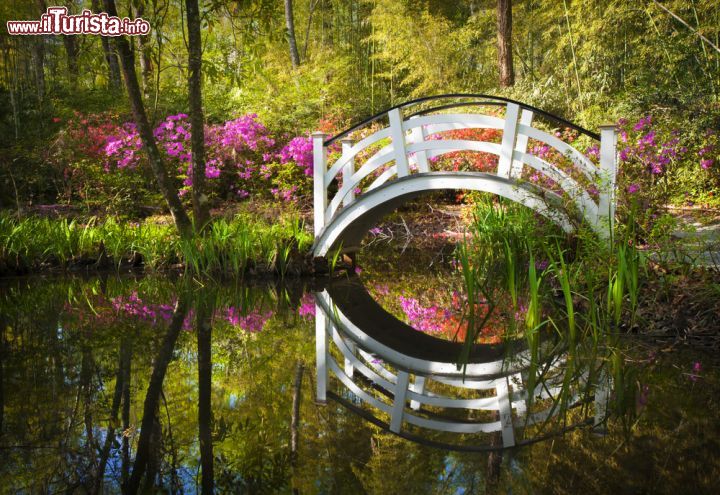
(146, 383)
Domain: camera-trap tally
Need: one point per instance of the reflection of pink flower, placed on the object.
(307, 307)
(696, 369)
(253, 322)
(423, 319)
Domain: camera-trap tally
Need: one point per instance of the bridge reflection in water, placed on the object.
(409, 383)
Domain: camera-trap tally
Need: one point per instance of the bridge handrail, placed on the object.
(493, 101)
(413, 144)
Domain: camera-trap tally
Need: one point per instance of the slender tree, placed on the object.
(201, 210)
(504, 42)
(39, 57)
(152, 396)
(110, 436)
(143, 42)
(290, 23)
(204, 343)
(114, 76)
(72, 50)
(165, 183)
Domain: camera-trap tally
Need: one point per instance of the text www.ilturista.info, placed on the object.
(57, 21)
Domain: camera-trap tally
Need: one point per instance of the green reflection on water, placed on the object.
(67, 343)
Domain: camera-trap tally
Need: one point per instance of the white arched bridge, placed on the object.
(394, 156)
(376, 365)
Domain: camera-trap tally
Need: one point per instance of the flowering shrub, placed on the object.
(79, 153)
(242, 158)
(470, 161)
(658, 167)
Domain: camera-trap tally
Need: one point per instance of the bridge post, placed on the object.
(608, 168)
(508, 140)
(419, 134)
(521, 142)
(319, 186)
(398, 408)
(505, 412)
(321, 354)
(348, 170)
(397, 134)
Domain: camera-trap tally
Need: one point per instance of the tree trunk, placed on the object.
(126, 374)
(295, 418)
(114, 77)
(494, 463)
(204, 343)
(201, 210)
(504, 39)
(290, 23)
(3, 325)
(39, 56)
(70, 44)
(71, 50)
(146, 68)
(165, 182)
(152, 397)
(114, 410)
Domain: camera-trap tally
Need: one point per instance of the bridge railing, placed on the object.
(415, 396)
(412, 143)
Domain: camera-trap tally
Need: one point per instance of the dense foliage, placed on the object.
(64, 121)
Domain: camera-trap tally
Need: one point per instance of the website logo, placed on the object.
(57, 21)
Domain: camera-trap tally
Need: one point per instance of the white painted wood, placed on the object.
(452, 427)
(521, 143)
(387, 174)
(602, 395)
(442, 146)
(582, 163)
(373, 163)
(398, 409)
(373, 401)
(319, 186)
(509, 394)
(512, 153)
(321, 354)
(418, 135)
(435, 181)
(580, 196)
(357, 148)
(349, 363)
(454, 121)
(414, 365)
(608, 167)
(397, 133)
(470, 384)
(348, 170)
(505, 409)
(418, 386)
(517, 384)
(508, 140)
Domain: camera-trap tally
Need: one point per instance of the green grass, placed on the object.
(229, 247)
(574, 294)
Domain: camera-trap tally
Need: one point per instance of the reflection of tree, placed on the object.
(123, 374)
(152, 397)
(3, 326)
(295, 419)
(204, 346)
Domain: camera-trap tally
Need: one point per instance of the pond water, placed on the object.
(145, 382)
